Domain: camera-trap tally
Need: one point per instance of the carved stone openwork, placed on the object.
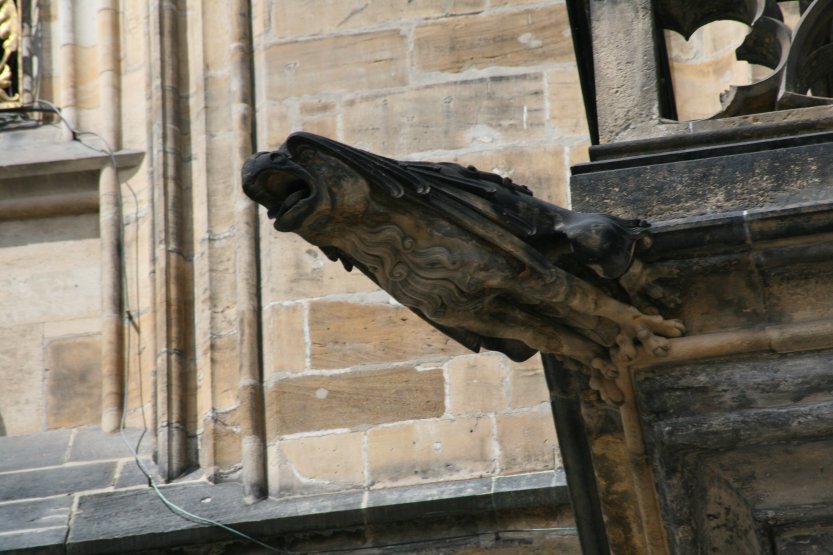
(800, 61)
(11, 62)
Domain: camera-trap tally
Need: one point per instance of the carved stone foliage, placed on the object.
(10, 54)
(801, 61)
(474, 254)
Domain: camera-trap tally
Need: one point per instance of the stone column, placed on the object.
(110, 217)
(250, 389)
(625, 64)
(173, 296)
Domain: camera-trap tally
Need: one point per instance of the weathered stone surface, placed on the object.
(62, 328)
(56, 481)
(129, 475)
(91, 444)
(66, 288)
(527, 441)
(324, 125)
(473, 492)
(31, 231)
(45, 542)
(800, 292)
(198, 164)
(323, 16)
(565, 100)
(377, 60)
(579, 153)
(743, 303)
(354, 399)
(625, 62)
(87, 77)
(317, 107)
(545, 481)
(430, 451)
(139, 520)
(21, 372)
(746, 383)
(539, 168)
(275, 122)
(345, 334)
(297, 271)
(114, 522)
(525, 38)
(449, 116)
(691, 186)
(527, 386)
(221, 387)
(285, 348)
(40, 513)
(321, 463)
(476, 384)
(34, 450)
(224, 429)
(73, 381)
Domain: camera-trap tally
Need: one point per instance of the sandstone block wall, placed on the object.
(358, 391)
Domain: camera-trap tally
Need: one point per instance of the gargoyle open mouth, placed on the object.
(283, 187)
(285, 191)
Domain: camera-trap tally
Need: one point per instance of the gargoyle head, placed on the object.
(304, 184)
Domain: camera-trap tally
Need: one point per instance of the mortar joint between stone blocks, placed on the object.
(70, 442)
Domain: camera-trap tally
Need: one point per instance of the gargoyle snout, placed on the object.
(253, 165)
(283, 187)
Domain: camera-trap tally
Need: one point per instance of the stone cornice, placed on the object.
(66, 157)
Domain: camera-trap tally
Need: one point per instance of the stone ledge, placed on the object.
(123, 521)
(739, 230)
(46, 482)
(710, 180)
(66, 157)
(45, 150)
(34, 450)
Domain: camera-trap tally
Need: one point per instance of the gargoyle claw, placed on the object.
(627, 347)
(607, 369)
(607, 388)
(651, 331)
(640, 281)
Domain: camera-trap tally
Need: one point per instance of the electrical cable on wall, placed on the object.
(133, 321)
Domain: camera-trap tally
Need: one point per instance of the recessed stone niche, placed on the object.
(50, 290)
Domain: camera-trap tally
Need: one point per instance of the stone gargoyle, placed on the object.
(474, 254)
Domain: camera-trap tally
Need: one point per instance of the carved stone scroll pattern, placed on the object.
(417, 276)
(801, 61)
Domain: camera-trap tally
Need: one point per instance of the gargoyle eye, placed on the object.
(304, 155)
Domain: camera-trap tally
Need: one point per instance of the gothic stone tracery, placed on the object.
(801, 60)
